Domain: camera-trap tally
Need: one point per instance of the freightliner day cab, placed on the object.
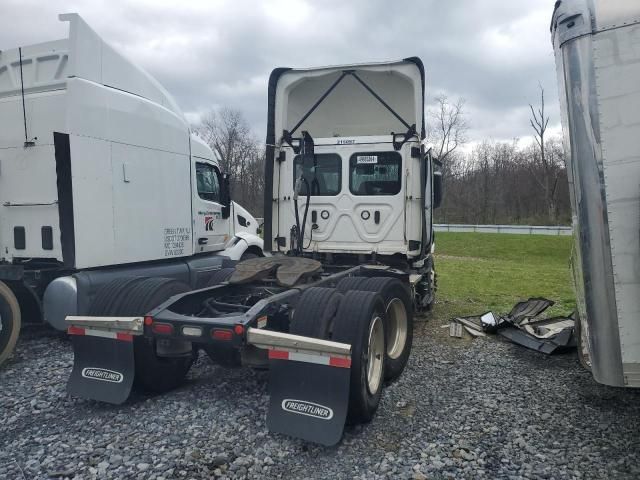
(349, 197)
(101, 178)
(596, 45)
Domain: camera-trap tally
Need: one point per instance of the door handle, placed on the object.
(202, 241)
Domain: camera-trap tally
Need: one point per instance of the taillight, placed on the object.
(239, 330)
(162, 328)
(148, 321)
(222, 334)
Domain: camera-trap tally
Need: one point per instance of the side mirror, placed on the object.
(225, 196)
(437, 189)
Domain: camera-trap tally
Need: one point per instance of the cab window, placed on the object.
(323, 172)
(208, 182)
(375, 173)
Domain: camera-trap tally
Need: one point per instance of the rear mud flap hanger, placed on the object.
(103, 358)
(309, 378)
(297, 144)
(309, 383)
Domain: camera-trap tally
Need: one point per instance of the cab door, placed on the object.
(211, 230)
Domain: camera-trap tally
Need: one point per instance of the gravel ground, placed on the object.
(463, 409)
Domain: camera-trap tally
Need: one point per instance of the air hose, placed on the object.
(297, 232)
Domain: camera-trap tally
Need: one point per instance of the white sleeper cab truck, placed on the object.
(597, 50)
(350, 192)
(100, 178)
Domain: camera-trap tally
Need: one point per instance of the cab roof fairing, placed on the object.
(349, 110)
(91, 58)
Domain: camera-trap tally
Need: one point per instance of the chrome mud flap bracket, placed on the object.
(308, 385)
(103, 360)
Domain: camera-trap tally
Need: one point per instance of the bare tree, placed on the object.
(240, 154)
(448, 127)
(228, 134)
(547, 174)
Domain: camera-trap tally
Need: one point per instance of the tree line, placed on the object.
(500, 183)
(494, 182)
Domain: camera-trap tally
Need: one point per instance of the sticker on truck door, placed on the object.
(366, 159)
(210, 218)
(175, 241)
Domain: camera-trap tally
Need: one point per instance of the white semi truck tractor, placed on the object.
(349, 196)
(597, 50)
(101, 178)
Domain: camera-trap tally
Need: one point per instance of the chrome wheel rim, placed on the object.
(375, 355)
(398, 325)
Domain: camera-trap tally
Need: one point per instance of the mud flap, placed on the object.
(309, 398)
(103, 368)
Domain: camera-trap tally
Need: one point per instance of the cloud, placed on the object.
(208, 53)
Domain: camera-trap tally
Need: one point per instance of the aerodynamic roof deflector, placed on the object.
(287, 136)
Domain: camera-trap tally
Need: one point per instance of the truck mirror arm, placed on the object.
(411, 132)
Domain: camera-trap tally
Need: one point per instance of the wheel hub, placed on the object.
(375, 356)
(397, 335)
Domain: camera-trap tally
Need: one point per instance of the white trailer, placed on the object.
(597, 49)
(349, 197)
(101, 177)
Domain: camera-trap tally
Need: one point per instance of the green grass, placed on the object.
(485, 271)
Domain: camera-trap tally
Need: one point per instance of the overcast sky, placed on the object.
(492, 53)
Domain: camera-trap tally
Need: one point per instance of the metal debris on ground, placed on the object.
(523, 325)
(455, 329)
(474, 333)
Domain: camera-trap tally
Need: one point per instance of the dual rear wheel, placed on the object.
(374, 316)
(136, 296)
(399, 313)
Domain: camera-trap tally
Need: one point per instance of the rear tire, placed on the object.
(11, 320)
(433, 287)
(399, 309)
(315, 312)
(361, 322)
(137, 296)
(350, 283)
